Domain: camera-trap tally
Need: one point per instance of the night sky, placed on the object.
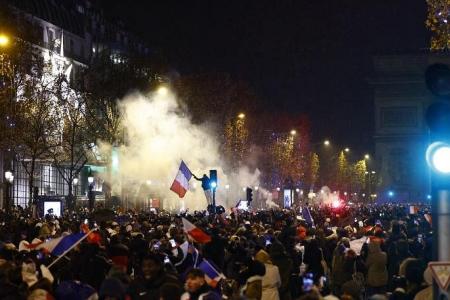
(310, 56)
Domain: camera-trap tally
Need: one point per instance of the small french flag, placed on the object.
(57, 246)
(212, 275)
(413, 209)
(181, 183)
(195, 233)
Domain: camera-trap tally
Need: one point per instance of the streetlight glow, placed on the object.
(326, 143)
(293, 132)
(366, 156)
(4, 40)
(347, 149)
(241, 116)
(163, 91)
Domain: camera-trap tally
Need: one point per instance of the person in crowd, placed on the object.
(251, 280)
(148, 285)
(280, 258)
(377, 275)
(197, 288)
(271, 281)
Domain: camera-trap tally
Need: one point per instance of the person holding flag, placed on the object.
(206, 186)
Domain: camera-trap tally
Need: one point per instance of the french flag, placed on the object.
(212, 275)
(181, 183)
(413, 209)
(58, 246)
(307, 216)
(195, 233)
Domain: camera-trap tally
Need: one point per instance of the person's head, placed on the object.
(195, 279)
(152, 265)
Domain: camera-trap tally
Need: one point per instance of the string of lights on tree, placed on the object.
(437, 21)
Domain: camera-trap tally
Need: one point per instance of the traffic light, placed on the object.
(213, 179)
(249, 195)
(437, 78)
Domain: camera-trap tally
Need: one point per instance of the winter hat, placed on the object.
(112, 287)
(263, 256)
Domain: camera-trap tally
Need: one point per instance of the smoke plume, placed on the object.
(159, 134)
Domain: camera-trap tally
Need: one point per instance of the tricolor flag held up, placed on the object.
(181, 183)
(195, 233)
(413, 209)
(307, 216)
(58, 246)
(212, 275)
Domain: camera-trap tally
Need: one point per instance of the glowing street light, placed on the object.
(241, 116)
(347, 149)
(391, 194)
(4, 40)
(326, 143)
(438, 157)
(162, 91)
(366, 156)
(293, 132)
(297, 190)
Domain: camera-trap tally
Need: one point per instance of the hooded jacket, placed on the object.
(377, 274)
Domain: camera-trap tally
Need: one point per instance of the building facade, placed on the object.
(401, 134)
(69, 35)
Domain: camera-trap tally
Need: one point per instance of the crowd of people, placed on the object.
(352, 252)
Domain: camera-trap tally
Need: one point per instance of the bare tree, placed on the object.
(77, 142)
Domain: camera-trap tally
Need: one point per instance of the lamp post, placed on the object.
(91, 195)
(9, 179)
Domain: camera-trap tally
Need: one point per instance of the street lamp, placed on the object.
(347, 149)
(91, 195)
(4, 40)
(293, 132)
(241, 116)
(326, 143)
(75, 184)
(366, 156)
(9, 180)
(162, 91)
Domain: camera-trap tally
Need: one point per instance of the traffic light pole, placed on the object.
(214, 200)
(441, 232)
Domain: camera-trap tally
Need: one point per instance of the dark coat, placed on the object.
(150, 289)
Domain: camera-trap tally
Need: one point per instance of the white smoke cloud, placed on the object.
(160, 135)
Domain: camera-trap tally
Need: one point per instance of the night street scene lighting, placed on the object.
(247, 150)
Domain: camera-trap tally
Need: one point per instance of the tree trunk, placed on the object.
(31, 181)
(70, 196)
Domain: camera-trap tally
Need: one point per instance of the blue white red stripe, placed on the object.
(212, 275)
(181, 183)
(58, 246)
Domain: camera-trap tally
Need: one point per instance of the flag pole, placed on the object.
(68, 250)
